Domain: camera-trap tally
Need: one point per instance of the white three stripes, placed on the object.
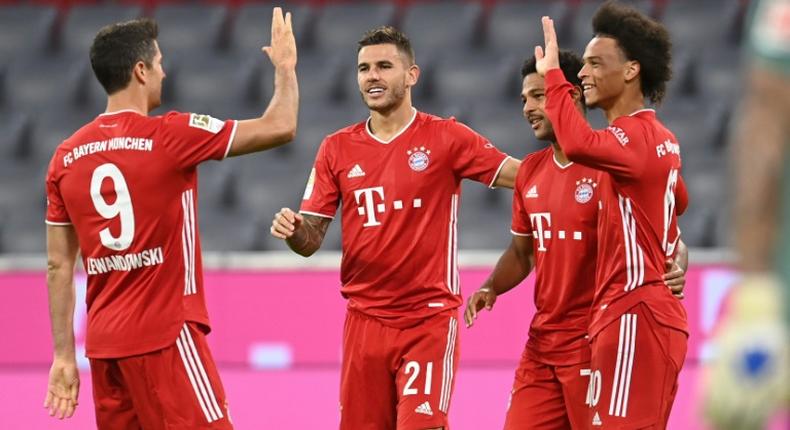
(634, 257)
(447, 370)
(621, 386)
(197, 376)
(188, 241)
(452, 245)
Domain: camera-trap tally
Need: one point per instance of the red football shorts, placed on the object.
(635, 366)
(173, 388)
(548, 397)
(397, 378)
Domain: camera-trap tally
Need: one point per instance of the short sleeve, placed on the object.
(322, 193)
(519, 224)
(474, 157)
(56, 210)
(194, 138)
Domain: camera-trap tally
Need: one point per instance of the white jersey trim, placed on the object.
(196, 372)
(230, 140)
(557, 162)
(121, 111)
(386, 142)
(499, 169)
(452, 247)
(447, 366)
(515, 233)
(188, 243)
(621, 385)
(48, 222)
(642, 110)
(317, 214)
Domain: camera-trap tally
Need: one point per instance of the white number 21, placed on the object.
(122, 206)
(413, 368)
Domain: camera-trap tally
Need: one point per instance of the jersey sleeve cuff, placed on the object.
(515, 233)
(317, 214)
(61, 223)
(230, 140)
(498, 170)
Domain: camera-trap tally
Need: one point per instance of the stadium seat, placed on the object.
(83, 22)
(252, 27)
(505, 126)
(442, 26)
(25, 31)
(338, 27)
(468, 79)
(15, 141)
(514, 26)
(38, 83)
(186, 29)
(700, 24)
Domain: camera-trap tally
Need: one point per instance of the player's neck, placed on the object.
(559, 155)
(624, 106)
(127, 100)
(385, 125)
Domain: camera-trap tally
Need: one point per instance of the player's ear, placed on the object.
(412, 75)
(139, 72)
(632, 69)
(576, 94)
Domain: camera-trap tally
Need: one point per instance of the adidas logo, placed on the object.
(533, 192)
(597, 420)
(425, 409)
(356, 172)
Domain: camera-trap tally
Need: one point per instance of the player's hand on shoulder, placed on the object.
(482, 298)
(285, 223)
(282, 51)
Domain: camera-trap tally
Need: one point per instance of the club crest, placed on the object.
(418, 158)
(584, 190)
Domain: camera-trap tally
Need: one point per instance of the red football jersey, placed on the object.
(399, 215)
(558, 207)
(642, 196)
(128, 184)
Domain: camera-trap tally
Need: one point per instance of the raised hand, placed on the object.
(285, 223)
(484, 297)
(550, 59)
(282, 51)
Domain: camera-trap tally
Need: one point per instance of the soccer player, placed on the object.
(554, 226)
(398, 177)
(122, 191)
(749, 379)
(638, 330)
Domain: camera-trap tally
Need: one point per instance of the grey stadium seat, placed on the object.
(39, 83)
(338, 27)
(83, 22)
(442, 26)
(469, 79)
(514, 26)
(580, 29)
(700, 24)
(186, 29)
(25, 31)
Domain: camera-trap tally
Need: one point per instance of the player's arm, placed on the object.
(277, 125)
(513, 267)
(507, 175)
(620, 149)
(675, 276)
(64, 382)
(302, 233)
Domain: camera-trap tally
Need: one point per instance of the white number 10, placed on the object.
(122, 206)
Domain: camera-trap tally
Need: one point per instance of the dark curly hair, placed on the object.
(642, 40)
(570, 64)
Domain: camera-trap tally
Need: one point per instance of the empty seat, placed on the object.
(252, 27)
(81, 24)
(338, 27)
(698, 25)
(514, 27)
(442, 26)
(465, 80)
(185, 29)
(40, 83)
(25, 31)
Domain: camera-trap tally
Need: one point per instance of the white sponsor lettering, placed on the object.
(124, 262)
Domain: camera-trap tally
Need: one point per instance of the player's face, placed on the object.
(533, 98)
(604, 73)
(384, 76)
(156, 75)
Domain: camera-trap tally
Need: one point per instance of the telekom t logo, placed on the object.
(537, 223)
(367, 194)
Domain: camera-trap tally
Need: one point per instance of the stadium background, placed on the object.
(277, 317)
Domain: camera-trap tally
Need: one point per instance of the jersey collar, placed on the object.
(405, 127)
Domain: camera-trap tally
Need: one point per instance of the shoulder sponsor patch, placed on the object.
(205, 122)
(619, 134)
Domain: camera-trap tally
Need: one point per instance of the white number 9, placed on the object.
(122, 206)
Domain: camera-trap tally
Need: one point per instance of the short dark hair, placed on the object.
(570, 64)
(387, 35)
(641, 39)
(118, 47)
